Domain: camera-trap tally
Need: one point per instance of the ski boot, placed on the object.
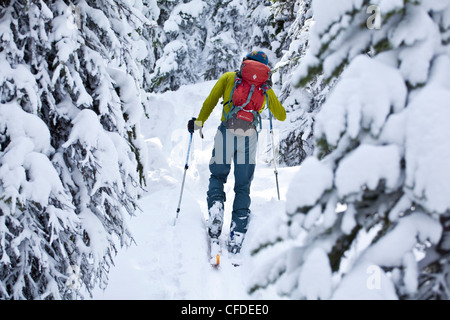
(215, 220)
(234, 247)
(214, 230)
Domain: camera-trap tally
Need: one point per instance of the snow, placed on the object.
(314, 176)
(315, 276)
(423, 35)
(102, 147)
(193, 8)
(98, 236)
(327, 10)
(171, 26)
(169, 63)
(362, 99)
(170, 262)
(417, 226)
(389, 5)
(367, 281)
(366, 167)
(43, 180)
(129, 94)
(24, 80)
(428, 147)
(65, 35)
(24, 165)
(348, 221)
(21, 124)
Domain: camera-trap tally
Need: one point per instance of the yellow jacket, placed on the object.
(223, 88)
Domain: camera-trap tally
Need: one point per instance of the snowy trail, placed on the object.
(171, 262)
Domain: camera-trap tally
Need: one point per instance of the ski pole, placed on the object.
(186, 167)
(274, 158)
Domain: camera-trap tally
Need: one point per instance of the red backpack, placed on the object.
(247, 96)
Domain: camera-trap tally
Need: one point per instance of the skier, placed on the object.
(239, 145)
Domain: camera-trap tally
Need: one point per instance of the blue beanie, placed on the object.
(258, 56)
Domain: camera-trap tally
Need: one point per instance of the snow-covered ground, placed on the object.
(171, 262)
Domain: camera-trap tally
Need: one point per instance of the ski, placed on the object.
(215, 252)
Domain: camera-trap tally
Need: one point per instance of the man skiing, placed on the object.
(237, 142)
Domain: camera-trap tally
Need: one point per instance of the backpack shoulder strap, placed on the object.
(237, 81)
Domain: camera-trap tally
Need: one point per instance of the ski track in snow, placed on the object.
(172, 262)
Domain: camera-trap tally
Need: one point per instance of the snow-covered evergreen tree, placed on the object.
(183, 42)
(71, 157)
(224, 44)
(367, 214)
(296, 138)
(259, 30)
(199, 40)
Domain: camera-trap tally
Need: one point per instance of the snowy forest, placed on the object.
(94, 100)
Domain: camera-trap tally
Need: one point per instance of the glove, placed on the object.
(195, 125)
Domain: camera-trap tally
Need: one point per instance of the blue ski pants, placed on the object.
(241, 150)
